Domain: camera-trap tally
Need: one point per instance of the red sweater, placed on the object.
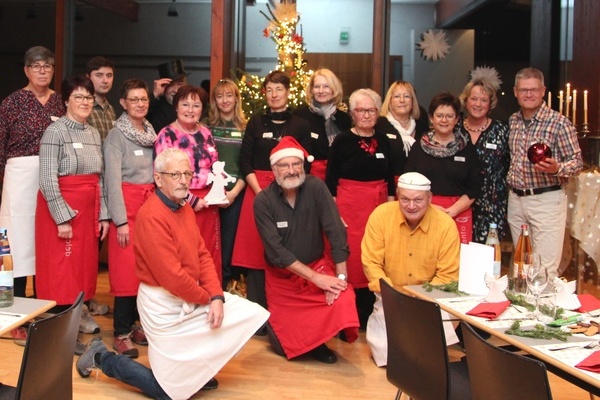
(170, 253)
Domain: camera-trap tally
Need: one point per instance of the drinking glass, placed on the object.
(537, 279)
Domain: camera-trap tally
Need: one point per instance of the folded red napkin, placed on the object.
(591, 363)
(588, 302)
(489, 310)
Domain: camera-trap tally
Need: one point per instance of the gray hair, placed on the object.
(38, 53)
(365, 93)
(167, 156)
(528, 73)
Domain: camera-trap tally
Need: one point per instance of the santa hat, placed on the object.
(289, 147)
(414, 181)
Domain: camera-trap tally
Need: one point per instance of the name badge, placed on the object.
(53, 118)
(77, 146)
(282, 224)
(459, 159)
(390, 136)
(492, 146)
(379, 155)
(314, 135)
(138, 152)
(268, 135)
(236, 134)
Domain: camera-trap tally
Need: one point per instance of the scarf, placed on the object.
(405, 134)
(327, 111)
(144, 138)
(435, 149)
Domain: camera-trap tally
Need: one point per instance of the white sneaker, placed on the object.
(87, 323)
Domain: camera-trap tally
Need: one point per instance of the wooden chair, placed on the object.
(47, 366)
(417, 361)
(499, 374)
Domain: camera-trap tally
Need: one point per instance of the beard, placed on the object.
(289, 182)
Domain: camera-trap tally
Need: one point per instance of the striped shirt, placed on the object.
(553, 129)
(69, 148)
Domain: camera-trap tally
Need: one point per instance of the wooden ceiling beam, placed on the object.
(126, 8)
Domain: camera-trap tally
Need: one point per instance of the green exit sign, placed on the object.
(344, 37)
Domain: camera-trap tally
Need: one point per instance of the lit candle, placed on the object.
(585, 107)
(560, 102)
(574, 106)
(549, 102)
(568, 100)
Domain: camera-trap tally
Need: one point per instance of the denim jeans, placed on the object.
(132, 373)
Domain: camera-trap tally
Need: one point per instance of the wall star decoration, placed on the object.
(433, 45)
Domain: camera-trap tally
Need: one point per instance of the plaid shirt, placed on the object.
(69, 148)
(102, 118)
(550, 127)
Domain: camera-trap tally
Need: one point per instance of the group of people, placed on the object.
(318, 205)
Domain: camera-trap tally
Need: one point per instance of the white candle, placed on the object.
(568, 100)
(585, 107)
(574, 106)
(549, 102)
(560, 102)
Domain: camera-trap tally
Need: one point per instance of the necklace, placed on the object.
(181, 127)
(485, 125)
(369, 146)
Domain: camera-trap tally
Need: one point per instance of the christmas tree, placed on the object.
(283, 20)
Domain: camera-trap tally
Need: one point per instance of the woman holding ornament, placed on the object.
(359, 177)
(227, 123)
(263, 133)
(195, 139)
(323, 96)
(490, 138)
(449, 160)
(400, 121)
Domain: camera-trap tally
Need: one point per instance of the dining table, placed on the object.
(560, 362)
(22, 310)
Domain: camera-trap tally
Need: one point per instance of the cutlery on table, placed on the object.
(590, 345)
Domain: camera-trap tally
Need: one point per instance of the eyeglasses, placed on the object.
(39, 67)
(368, 111)
(442, 116)
(136, 100)
(177, 175)
(278, 90)
(295, 165)
(79, 98)
(528, 91)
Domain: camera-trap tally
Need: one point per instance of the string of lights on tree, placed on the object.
(283, 20)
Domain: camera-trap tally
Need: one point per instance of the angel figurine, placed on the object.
(565, 294)
(497, 288)
(219, 179)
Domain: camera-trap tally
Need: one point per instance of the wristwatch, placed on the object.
(342, 276)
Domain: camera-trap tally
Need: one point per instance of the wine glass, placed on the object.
(537, 279)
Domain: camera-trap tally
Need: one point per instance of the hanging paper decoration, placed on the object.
(433, 45)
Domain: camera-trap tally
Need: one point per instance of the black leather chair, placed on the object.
(417, 355)
(497, 374)
(47, 366)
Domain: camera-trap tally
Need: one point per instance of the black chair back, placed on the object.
(47, 366)
(497, 374)
(417, 361)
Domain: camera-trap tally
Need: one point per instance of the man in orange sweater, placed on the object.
(193, 329)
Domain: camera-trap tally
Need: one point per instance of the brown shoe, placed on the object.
(138, 336)
(123, 345)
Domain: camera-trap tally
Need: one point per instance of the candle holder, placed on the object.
(585, 130)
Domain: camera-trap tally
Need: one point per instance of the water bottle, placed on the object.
(6, 271)
(494, 241)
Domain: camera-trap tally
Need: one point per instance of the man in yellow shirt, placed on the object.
(407, 242)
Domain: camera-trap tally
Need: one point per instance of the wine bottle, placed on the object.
(494, 241)
(522, 260)
(6, 271)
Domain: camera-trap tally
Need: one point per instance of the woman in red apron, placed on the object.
(449, 160)
(71, 214)
(263, 133)
(323, 96)
(128, 181)
(359, 176)
(195, 139)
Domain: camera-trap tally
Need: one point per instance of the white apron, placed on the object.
(17, 211)
(377, 336)
(184, 352)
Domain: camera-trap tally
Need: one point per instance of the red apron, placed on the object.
(210, 229)
(121, 261)
(248, 250)
(65, 267)
(300, 316)
(318, 168)
(356, 200)
(464, 220)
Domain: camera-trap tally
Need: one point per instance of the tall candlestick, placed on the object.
(549, 102)
(560, 102)
(574, 106)
(585, 107)
(568, 100)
